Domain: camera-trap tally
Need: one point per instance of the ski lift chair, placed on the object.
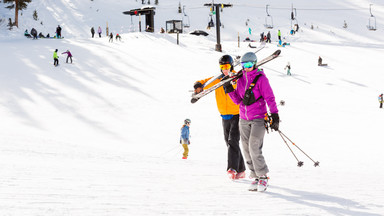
(372, 23)
(268, 20)
(371, 20)
(211, 23)
(185, 19)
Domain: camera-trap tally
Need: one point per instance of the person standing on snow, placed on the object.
(93, 32)
(55, 58)
(184, 138)
(34, 33)
(261, 36)
(268, 37)
(69, 55)
(230, 119)
(111, 37)
(288, 67)
(99, 31)
(381, 100)
(279, 35)
(253, 92)
(58, 31)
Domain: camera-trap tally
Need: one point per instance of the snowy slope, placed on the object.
(100, 136)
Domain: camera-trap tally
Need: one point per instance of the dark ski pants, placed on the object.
(55, 61)
(232, 138)
(381, 105)
(69, 57)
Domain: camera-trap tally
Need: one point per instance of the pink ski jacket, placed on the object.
(262, 88)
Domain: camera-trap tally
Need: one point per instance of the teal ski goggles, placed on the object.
(247, 64)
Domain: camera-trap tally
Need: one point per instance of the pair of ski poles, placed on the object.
(268, 121)
(299, 163)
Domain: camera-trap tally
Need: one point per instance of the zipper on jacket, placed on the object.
(245, 89)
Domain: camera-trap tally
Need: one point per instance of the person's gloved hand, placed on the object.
(275, 121)
(198, 87)
(228, 87)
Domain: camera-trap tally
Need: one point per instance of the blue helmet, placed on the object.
(249, 57)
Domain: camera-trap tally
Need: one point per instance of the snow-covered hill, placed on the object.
(101, 136)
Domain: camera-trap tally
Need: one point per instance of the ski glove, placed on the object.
(228, 87)
(275, 121)
(198, 87)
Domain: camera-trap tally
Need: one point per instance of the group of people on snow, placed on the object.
(242, 107)
(33, 34)
(56, 57)
(99, 31)
(266, 38)
(110, 36)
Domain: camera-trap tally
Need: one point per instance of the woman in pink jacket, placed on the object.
(69, 56)
(253, 107)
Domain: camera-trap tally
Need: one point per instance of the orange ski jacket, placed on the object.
(224, 103)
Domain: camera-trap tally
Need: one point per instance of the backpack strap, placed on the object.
(253, 84)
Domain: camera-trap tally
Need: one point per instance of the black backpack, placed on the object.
(249, 97)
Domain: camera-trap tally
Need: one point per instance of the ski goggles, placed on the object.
(247, 64)
(225, 66)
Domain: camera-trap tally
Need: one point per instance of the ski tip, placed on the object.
(277, 52)
(193, 100)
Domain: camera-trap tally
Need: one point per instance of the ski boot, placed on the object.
(253, 186)
(231, 173)
(240, 175)
(262, 184)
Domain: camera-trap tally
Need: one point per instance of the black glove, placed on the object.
(275, 121)
(198, 87)
(228, 87)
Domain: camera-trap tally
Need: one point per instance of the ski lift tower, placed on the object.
(372, 20)
(268, 20)
(149, 13)
(217, 10)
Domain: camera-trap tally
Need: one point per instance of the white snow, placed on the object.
(101, 136)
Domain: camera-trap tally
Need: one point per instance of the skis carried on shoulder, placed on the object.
(237, 62)
(226, 79)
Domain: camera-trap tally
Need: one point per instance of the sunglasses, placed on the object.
(225, 66)
(247, 64)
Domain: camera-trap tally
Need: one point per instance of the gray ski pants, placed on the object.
(252, 136)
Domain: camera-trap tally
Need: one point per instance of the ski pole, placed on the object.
(177, 152)
(173, 148)
(299, 163)
(315, 163)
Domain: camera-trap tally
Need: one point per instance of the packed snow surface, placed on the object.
(100, 136)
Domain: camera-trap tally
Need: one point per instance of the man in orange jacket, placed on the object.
(229, 112)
